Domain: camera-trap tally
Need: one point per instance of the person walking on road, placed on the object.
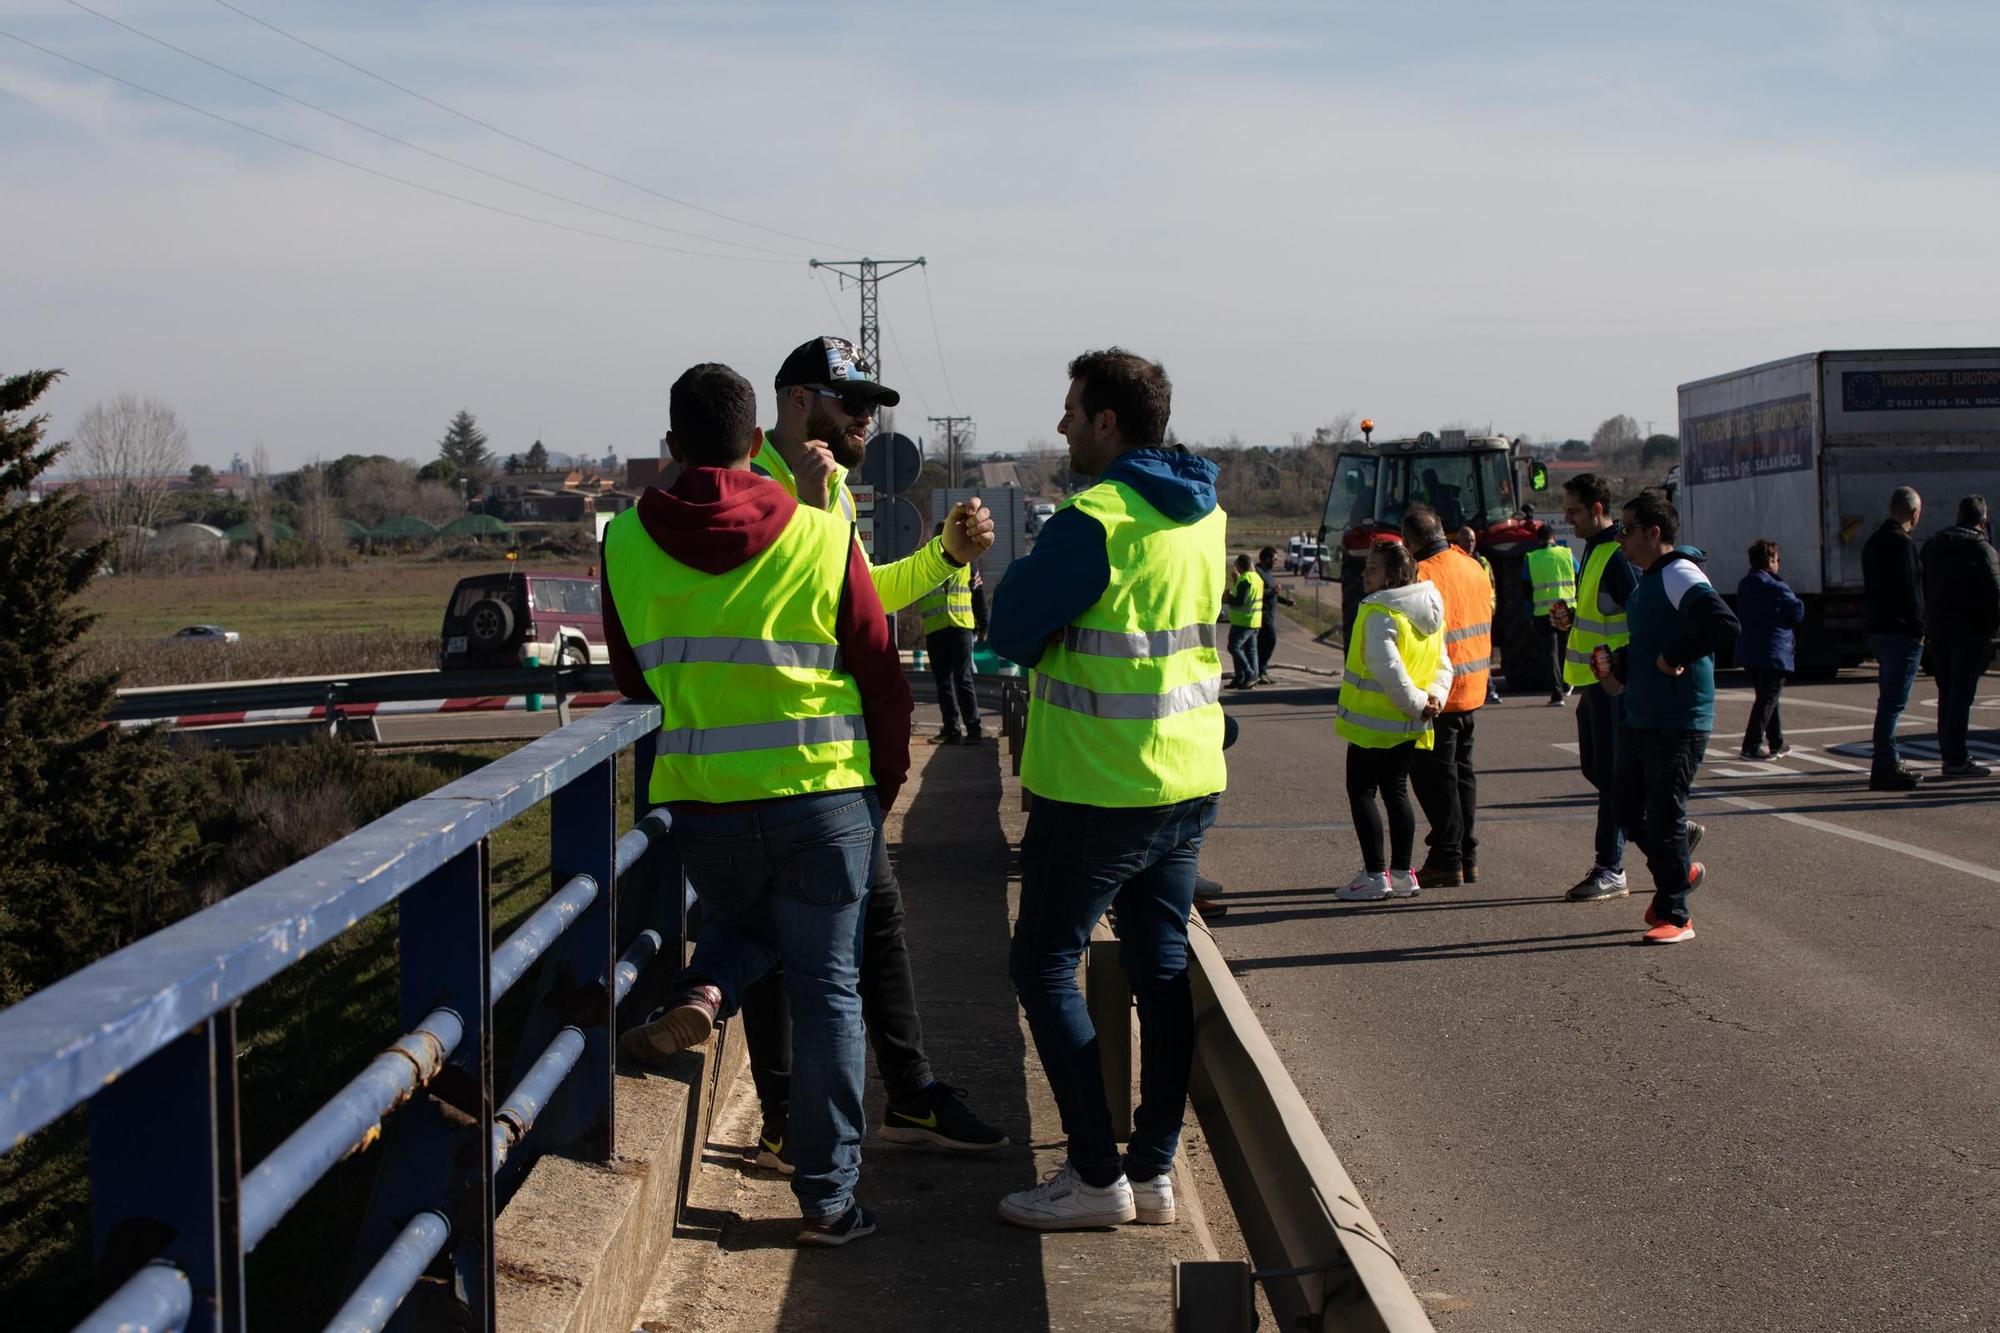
(1769, 611)
(1115, 611)
(1274, 597)
(1245, 605)
(1597, 620)
(1667, 670)
(1391, 693)
(1961, 613)
(1893, 587)
(1446, 784)
(750, 619)
(827, 398)
(954, 613)
(1466, 540)
(1550, 569)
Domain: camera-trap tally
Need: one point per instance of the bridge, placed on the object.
(1484, 1109)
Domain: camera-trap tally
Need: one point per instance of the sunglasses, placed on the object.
(853, 402)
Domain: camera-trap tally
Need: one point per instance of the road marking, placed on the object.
(1805, 753)
(1746, 696)
(1873, 840)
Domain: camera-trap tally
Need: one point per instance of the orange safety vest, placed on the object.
(1468, 624)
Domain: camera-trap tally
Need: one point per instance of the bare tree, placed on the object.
(129, 451)
(377, 490)
(1614, 434)
(435, 502)
(1336, 430)
(257, 502)
(319, 516)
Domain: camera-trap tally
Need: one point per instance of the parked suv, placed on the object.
(501, 620)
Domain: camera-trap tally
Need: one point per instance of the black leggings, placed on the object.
(1386, 771)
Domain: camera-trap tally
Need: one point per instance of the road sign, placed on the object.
(892, 464)
(897, 529)
(864, 498)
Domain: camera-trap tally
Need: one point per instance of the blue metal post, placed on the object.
(166, 1171)
(435, 1147)
(583, 841)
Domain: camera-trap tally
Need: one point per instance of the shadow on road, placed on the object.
(1431, 953)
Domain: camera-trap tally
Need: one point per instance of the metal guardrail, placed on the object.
(147, 1038)
(334, 691)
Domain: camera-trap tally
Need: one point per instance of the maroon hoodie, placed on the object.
(714, 519)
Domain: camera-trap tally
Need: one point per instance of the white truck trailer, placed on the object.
(1805, 451)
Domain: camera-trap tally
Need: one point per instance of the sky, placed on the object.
(1531, 216)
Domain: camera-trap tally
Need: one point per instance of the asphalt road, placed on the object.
(1788, 1123)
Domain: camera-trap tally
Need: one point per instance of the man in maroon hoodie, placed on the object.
(785, 734)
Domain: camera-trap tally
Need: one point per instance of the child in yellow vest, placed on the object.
(1396, 681)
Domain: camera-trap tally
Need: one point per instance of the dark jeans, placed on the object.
(782, 882)
(1448, 791)
(1267, 641)
(1765, 728)
(1243, 652)
(1958, 664)
(1897, 656)
(888, 1004)
(1385, 771)
(1655, 771)
(1600, 717)
(1553, 640)
(951, 669)
(1077, 861)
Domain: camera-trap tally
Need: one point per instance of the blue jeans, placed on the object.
(1656, 769)
(783, 883)
(1600, 718)
(1898, 655)
(1958, 664)
(1077, 861)
(1243, 652)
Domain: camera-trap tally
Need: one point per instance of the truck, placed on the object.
(1805, 451)
(1471, 481)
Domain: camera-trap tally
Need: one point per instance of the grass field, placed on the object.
(382, 614)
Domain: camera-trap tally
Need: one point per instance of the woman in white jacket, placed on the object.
(1398, 676)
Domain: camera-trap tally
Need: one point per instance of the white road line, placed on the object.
(1886, 844)
(1745, 696)
(1805, 754)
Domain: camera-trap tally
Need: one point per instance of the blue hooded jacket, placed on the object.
(1068, 570)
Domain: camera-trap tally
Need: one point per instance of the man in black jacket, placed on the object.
(1274, 596)
(1961, 611)
(1894, 589)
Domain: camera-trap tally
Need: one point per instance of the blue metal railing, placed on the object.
(147, 1039)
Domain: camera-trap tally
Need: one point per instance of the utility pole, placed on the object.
(867, 273)
(950, 427)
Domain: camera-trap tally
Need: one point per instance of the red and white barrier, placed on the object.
(490, 703)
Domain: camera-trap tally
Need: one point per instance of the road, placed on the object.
(1788, 1123)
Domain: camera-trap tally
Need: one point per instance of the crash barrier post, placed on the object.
(146, 1038)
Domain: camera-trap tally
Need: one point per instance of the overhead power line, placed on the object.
(376, 172)
(471, 119)
(938, 339)
(419, 148)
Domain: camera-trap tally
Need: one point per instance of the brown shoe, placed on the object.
(679, 1026)
(1429, 878)
(1471, 872)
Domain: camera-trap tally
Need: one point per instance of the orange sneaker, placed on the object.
(1668, 933)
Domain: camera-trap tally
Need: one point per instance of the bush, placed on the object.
(152, 661)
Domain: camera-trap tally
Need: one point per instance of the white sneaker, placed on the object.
(1063, 1202)
(1403, 884)
(1154, 1200)
(1363, 888)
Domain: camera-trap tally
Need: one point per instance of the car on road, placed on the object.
(505, 620)
(204, 634)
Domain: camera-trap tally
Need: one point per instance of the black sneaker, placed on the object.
(938, 1116)
(1896, 779)
(853, 1224)
(772, 1152)
(1968, 769)
(1694, 835)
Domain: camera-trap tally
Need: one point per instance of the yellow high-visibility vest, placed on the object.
(1125, 710)
(746, 665)
(949, 605)
(1366, 715)
(1250, 615)
(1552, 570)
(1599, 620)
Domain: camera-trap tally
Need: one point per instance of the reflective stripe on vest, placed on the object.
(1599, 620)
(746, 664)
(1126, 707)
(1468, 624)
(1365, 715)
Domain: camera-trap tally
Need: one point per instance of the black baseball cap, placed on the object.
(837, 364)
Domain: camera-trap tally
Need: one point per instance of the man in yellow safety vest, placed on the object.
(954, 614)
(1246, 618)
(1115, 610)
(785, 723)
(1550, 569)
